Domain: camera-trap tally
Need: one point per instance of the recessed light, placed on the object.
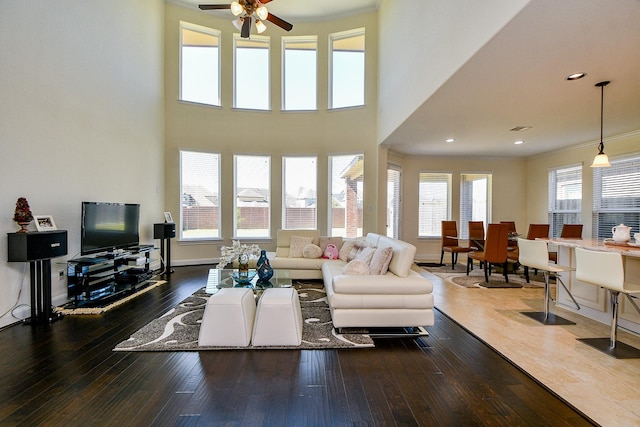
(576, 76)
(450, 140)
(519, 142)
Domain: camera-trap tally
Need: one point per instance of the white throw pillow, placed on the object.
(312, 251)
(346, 249)
(297, 244)
(380, 261)
(366, 254)
(356, 267)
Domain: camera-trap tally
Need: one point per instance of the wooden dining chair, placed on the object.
(535, 231)
(476, 237)
(450, 243)
(495, 250)
(569, 231)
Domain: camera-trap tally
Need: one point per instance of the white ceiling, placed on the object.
(518, 79)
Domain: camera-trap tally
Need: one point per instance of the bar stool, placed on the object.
(606, 269)
(535, 254)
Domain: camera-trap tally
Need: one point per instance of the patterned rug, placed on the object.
(475, 279)
(178, 329)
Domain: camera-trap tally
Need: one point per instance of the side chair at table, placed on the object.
(535, 254)
(606, 269)
(535, 231)
(569, 231)
(450, 243)
(495, 251)
(476, 237)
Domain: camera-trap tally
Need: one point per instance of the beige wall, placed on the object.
(276, 133)
(80, 119)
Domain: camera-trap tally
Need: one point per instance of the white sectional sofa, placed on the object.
(400, 297)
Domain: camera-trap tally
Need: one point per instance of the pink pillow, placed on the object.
(380, 262)
(331, 252)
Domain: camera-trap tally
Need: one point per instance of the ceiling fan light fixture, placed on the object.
(601, 160)
(262, 12)
(238, 23)
(236, 8)
(260, 26)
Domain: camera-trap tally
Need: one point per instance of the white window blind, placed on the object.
(434, 203)
(252, 196)
(299, 73)
(199, 64)
(616, 196)
(251, 73)
(394, 200)
(300, 192)
(475, 200)
(200, 194)
(565, 197)
(346, 173)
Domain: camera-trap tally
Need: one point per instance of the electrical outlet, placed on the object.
(60, 274)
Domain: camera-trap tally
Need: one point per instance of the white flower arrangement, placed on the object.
(230, 253)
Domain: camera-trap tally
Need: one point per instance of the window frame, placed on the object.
(395, 205)
(267, 75)
(356, 157)
(236, 207)
(342, 35)
(463, 230)
(284, 192)
(437, 226)
(290, 40)
(209, 32)
(557, 217)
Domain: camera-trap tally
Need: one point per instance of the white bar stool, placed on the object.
(606, 269)
(535, 254)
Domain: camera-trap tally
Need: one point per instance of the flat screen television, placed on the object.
(109, 226)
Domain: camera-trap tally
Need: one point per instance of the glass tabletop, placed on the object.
(218, 279)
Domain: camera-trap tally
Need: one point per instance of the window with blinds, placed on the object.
(565, 198)
(252, 196)
(200, 194)
(475, 200)
(199, 64)
(434, 203)
(347, 69)
(251, 73)
(616, 196)
(299, 73)
(394, 200)
(299, 209)
(346, 194)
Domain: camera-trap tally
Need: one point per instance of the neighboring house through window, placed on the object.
(346, 174)
(300, 192)
(252, 201)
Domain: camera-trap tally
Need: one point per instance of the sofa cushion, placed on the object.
(346, 249)
(326, 240)
(311, 251)
(297, 244)
(379, 263)
(403, 255)
(366, 254)
(356, 267)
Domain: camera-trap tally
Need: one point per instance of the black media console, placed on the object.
(95, 280)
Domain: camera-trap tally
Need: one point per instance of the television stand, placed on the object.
(94, 280)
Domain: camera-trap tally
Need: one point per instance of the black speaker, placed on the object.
(34, 246)
(164, 230)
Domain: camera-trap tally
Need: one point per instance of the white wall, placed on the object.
(81, 118)
(276, 133)
(422, 46)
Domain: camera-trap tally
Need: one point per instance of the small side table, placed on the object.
(165, 231)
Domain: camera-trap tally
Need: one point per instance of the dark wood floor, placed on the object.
(67, 374)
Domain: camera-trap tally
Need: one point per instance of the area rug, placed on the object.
(178, 329)
(475, 279)
(69, 309)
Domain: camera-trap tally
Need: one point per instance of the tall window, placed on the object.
(251, 73)
(434, 203)
(347, 69)
(475, 200)
(199, 64)
(394, 200)
(565, 197)
(299, 73)
(252, 196)
(300, 192)
(616, 196)
(346, 173)
(200, 193)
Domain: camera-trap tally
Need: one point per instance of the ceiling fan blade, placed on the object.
(246, 27)
(264, 1)
(279, 22)
(214, 6)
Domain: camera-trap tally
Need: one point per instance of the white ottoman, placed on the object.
(278, 318)
(228, 318)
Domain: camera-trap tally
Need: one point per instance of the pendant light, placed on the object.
(601, 160)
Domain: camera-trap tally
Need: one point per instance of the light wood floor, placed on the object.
(604, 388)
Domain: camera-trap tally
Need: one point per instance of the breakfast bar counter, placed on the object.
(594, 301)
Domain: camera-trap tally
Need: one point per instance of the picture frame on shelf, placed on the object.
(168, 218)
(44, 223)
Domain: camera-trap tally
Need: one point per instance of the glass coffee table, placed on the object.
(219, 279)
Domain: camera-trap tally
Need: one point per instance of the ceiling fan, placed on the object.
(245, 10)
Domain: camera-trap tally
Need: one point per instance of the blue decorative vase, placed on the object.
(263, 267)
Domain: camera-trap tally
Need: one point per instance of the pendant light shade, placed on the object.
(601, 160)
